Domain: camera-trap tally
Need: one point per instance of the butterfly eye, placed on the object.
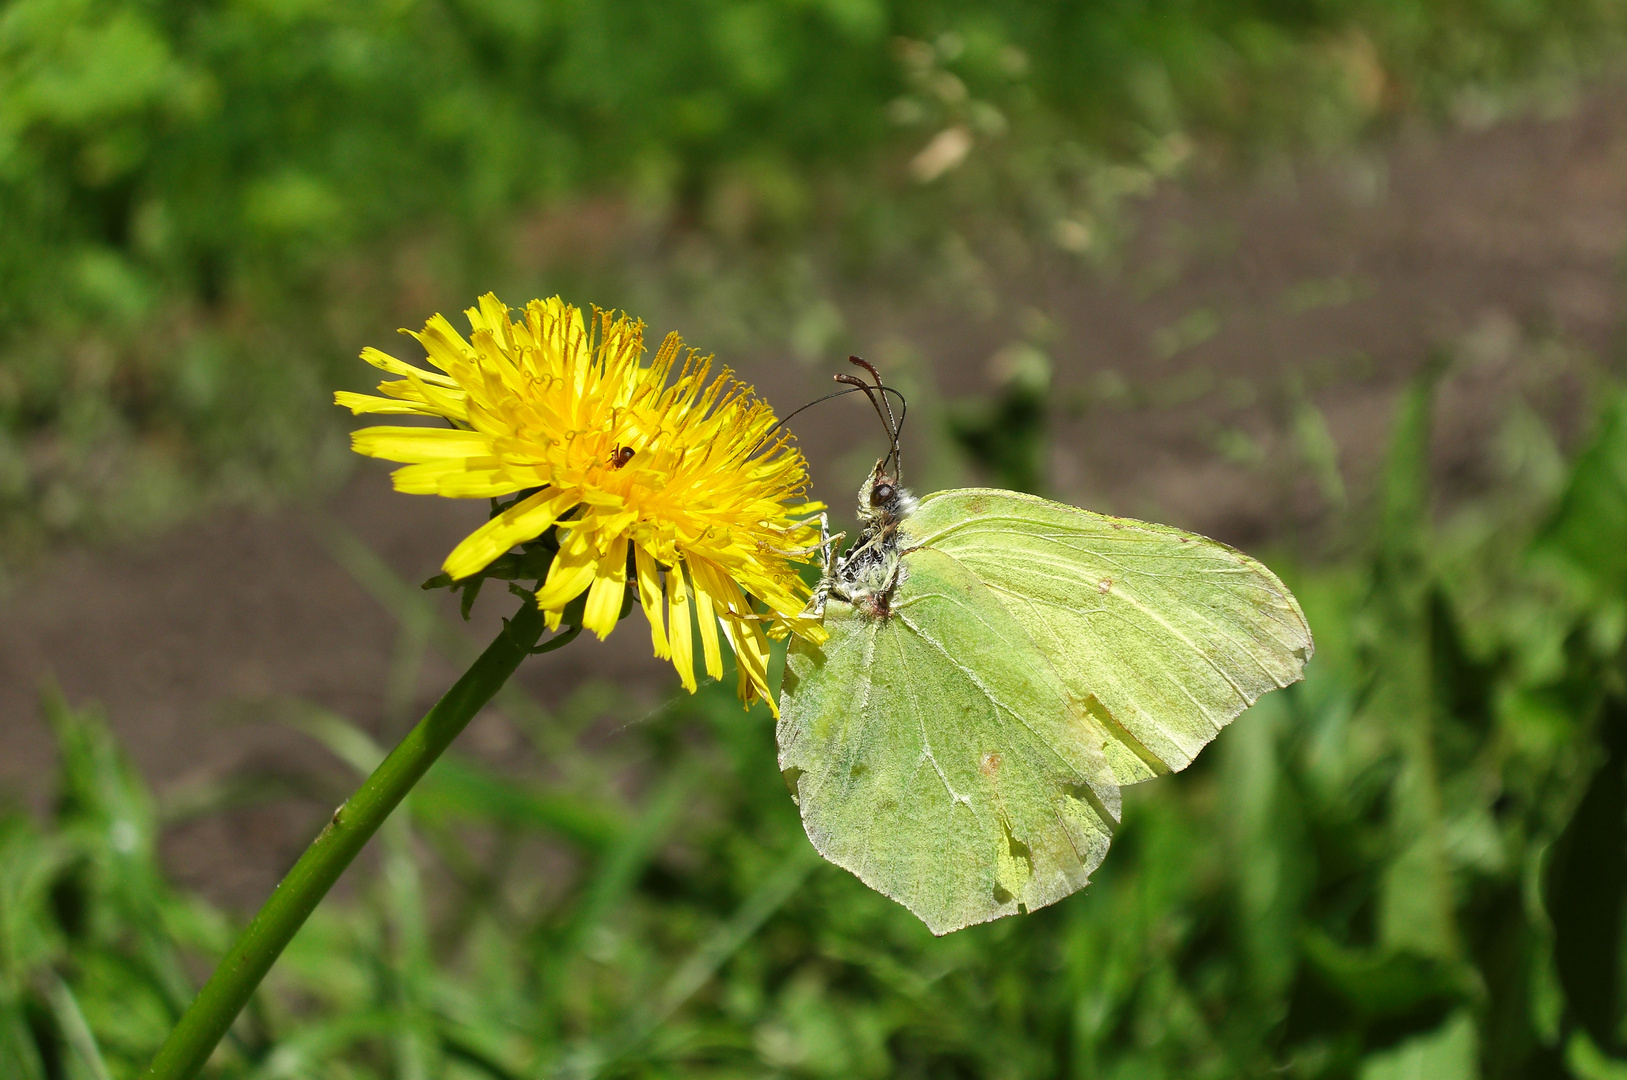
(881, 493)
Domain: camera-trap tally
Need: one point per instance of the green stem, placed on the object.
(353, 824)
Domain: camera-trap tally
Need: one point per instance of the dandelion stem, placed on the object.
(228, 989)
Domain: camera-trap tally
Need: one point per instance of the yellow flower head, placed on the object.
(690, 477)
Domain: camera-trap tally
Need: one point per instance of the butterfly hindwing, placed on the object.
(1161, 636)
(935, 753)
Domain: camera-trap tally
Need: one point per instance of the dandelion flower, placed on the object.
(688, 475)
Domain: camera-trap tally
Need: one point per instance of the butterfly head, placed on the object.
(882, 500)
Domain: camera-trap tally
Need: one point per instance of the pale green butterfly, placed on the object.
(998, 666)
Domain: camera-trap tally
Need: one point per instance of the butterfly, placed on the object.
(998, 666)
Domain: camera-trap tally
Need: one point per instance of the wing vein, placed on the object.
(984, 689)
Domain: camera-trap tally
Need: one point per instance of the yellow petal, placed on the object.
(459, 478)
(745, 634)
(492, 315)
(607, 591)
(367, 403)
(572, 571)
(445, 346)
(525, 520)
(751, 660)
(415, 444)
(683, 650)
(389, 363)
(714, 581)
(706, 618)
(806, 627)
(451, 402)
(649, 594)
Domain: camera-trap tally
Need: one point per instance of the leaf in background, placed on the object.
(1384, 984)
(1319, 452)
(19, 1053)
(1449, 1053)
(1268, 847)
(1007, 438)
(30, 862)
(1588, 1062)
(106, 813)
(1585, 540)
(1586, 892)
(1415, 902)
(98, 789)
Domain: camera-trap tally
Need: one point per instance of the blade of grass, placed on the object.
(627, 858)
(76, 1032)
(19, 1054)
(457, 788)
(295, 1057)
(699, 966)
(415, 1046)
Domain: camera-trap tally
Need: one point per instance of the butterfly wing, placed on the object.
(934, 753)
(1159, 635)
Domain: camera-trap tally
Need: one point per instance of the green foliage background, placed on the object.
(1412, 864)
(204, 205)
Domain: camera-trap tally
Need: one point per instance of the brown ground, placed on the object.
(1186, 374)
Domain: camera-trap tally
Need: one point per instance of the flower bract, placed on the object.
(663, 475)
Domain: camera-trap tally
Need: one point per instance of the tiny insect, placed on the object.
(998, 666)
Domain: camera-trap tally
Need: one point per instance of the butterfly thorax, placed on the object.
(868, 572)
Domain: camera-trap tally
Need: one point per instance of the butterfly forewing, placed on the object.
(1161, 637)
(935, 753)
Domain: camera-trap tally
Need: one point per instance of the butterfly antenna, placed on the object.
(881, 414)
(895, 427)
(816, 401)
(855, 388)
(892, 425)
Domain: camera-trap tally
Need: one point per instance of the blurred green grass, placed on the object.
(1413, 864)
(207, 206)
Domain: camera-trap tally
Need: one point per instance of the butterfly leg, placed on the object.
(891, 582)
(827, 554)
(826, 542)
(816, 602)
